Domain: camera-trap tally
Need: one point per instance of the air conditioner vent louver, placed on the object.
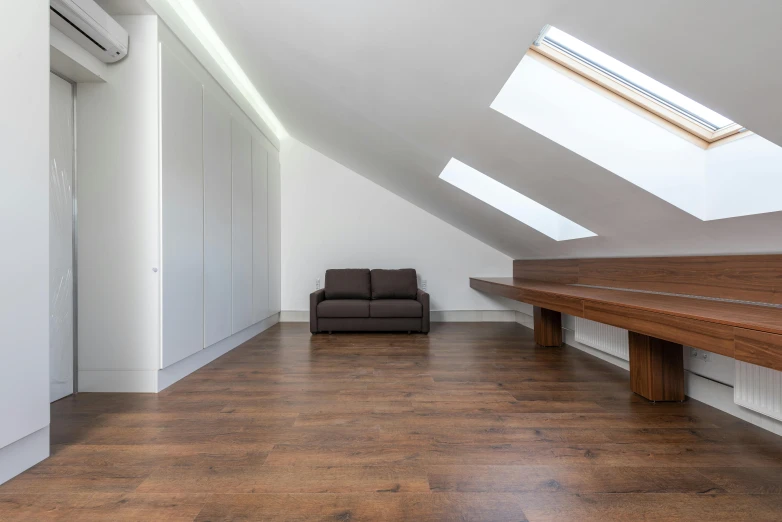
(84, 22)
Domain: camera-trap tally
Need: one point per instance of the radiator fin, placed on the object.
(603, 337)
(758, 389)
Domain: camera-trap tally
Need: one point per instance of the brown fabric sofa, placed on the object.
(360, 300)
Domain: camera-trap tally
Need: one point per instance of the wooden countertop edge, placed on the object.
(735, 324)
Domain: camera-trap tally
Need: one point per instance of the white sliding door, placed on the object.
(275, 231)
(217, 222)
(260, 233)
(183, 210)
(60, 238)
(242, 228)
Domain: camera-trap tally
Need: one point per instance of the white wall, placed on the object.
(24, 236)
(335, 218)
(274, 223)
(119, 206)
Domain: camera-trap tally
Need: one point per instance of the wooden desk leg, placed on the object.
(548, 327)
(656, 368)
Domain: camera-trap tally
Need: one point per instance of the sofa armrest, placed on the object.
(423, 298)
(315, 297)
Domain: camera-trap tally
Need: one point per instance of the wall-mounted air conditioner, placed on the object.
(86, 23)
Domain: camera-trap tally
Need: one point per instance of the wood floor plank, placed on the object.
(685, 507)
(101, 507)
(379, 507)
(111, 456)
(209, 478)
(568, 479)
(472, 422)
(747, 481)
(63, 479)
(511, 420)
(424, 453)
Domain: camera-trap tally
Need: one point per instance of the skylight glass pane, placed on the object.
(509, 201)
(635, 79)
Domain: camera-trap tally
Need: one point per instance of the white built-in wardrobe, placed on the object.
(179, 219)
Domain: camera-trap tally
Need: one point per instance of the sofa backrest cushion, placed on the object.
(394, 284)
(347, 283)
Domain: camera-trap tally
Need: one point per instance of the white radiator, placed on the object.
(756, 388)
(603, 337)
(759, 389)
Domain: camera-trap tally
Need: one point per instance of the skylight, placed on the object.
(634, 85)
(557, 99)
(516, 205)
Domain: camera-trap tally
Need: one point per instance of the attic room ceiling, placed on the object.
(393, 89)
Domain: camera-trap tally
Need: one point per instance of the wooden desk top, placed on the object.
(566, 298)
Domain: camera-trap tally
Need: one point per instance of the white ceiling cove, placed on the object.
(393, 89)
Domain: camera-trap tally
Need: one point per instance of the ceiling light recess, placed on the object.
(193, 19)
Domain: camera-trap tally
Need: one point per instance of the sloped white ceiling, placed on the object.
(393, 89)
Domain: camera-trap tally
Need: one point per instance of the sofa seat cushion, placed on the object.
(394, 284)
(347, 283)
(395, 308)
(343, 308)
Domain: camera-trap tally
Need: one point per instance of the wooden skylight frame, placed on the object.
(677, 121)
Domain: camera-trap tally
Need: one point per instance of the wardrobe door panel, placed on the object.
(242, 228)
(217, 222)
(275, 234)
(182, 179)
(260, 233)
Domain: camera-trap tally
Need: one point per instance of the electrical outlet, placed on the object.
(705, 356)
(423, 285)
(317, 283)
(693, 352)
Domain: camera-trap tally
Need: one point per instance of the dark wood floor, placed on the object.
(472, 422)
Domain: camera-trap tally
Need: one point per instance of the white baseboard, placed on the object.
(23, 454)
(118, 381)
(154, 381)
(472, 316)
(707, 391)
(435, 316)
(525, 320)
(295, 316)
(181, 369)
